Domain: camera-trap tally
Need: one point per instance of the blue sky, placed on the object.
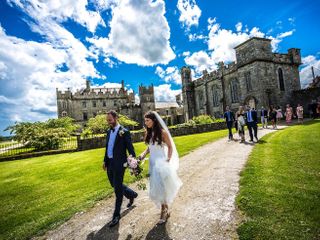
(60, 44)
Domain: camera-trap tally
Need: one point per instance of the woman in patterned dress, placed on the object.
(289, 114)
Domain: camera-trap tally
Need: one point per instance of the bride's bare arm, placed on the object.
(144, 154)
(166, 140)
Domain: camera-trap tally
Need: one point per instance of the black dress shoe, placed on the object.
(131, 200)
(114, 222)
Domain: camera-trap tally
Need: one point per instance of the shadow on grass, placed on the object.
(109, 233)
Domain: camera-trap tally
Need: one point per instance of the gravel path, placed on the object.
(204, 209)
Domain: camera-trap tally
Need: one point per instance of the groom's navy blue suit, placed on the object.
(115, 168)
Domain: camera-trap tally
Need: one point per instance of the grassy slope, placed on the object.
(280, 186)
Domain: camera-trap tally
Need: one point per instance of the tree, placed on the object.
(43, 135)
(98, 124)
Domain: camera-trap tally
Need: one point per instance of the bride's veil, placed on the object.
(174, 161)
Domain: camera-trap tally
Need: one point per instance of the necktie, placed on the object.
(229, 116)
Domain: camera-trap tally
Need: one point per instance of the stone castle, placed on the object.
(258, 78)
(89, 102)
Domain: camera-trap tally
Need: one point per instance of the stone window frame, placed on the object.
(200, 98)
(64, 105)
(84, 116)
(94, 104)
(247, 77)
(215, 96)
(84, 104)
(64, 114)
(104, 104)
(281, 79)
(234, 90)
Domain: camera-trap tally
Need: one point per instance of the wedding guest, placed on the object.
(229, 117)
(264, 117)
(289, 114)
(299, 112)
(240, 114)
(279, 114)
(273, 117)
(252, 123)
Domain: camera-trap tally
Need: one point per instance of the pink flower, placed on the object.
(133, 163)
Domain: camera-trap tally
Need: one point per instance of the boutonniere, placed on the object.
(121, 132)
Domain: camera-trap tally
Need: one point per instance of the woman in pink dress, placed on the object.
(300, 113)
(289, 114)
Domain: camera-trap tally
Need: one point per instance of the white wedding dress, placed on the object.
(164, 180)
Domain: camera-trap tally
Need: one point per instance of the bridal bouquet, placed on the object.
(135, 167)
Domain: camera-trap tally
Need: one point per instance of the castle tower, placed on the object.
(147, 101)
(88, 85)
(187, 93)
(64, 103)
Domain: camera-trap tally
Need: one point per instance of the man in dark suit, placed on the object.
(229, 117)
(252, 123)
(117, 144)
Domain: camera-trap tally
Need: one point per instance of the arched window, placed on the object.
(248, 81)
(234, 88)
(215, 96)
(281, 82)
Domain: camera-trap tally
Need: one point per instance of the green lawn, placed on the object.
(280, 186)
(40, 193)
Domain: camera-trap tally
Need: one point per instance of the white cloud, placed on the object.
(64, 9)
(185, 54)
(200, 61)
(189, 13)
(193, 37)
(239, 27)
(142, 40)
(306, 73)
(164, 93)
(292, 21)
(221, 43)
(31, 71)
(170, 74)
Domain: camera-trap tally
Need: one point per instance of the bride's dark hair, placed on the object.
(155, 133)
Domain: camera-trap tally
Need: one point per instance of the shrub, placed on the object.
(43, 135)
(99, 125)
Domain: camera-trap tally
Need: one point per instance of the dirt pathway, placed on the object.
(204, 209)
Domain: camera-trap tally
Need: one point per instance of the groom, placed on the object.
(117, 144)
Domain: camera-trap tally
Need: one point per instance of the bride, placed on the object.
(163, 163)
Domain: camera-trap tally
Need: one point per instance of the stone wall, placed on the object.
(100, 142)
(305, 97)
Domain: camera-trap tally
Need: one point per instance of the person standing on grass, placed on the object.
(273, 117)
(279, 114)
(117, 144)
(240, 118)
(289, 114)
(264, 117)
(229, 117)
(299, 112)
(252, 123)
